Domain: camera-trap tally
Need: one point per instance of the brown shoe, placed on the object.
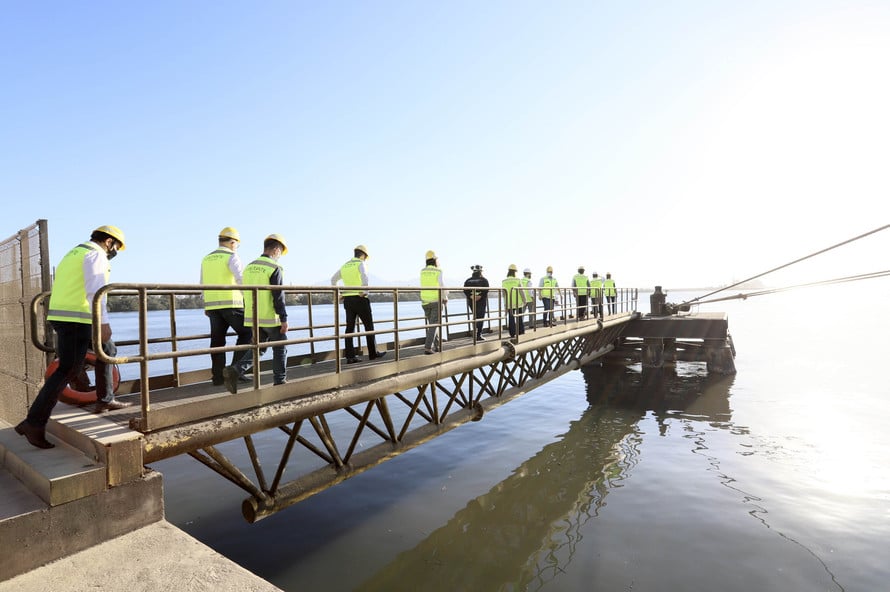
(113, 405)
(36, 436)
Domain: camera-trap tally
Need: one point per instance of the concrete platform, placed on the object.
(153, 558)
(58, 475)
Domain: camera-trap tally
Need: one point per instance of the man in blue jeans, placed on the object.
(269, 309)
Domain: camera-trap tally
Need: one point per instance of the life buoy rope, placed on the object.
(76, 397)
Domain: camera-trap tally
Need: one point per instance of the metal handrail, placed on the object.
(396, 326)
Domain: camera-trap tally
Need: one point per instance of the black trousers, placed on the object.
(73, 341)
(360, 307)
(479, 313)
(221, 319)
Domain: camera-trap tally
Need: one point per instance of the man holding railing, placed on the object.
(432, 297)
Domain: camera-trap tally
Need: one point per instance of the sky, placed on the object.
(682, 144)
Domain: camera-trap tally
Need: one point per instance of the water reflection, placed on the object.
(525, 529)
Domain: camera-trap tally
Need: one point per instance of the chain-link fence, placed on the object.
(24, 273)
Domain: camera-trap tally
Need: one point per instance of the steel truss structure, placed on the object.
(377, 423)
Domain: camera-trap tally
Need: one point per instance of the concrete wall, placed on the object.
(24, 273)
(37, 538)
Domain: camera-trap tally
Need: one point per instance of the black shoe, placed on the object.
(428, 352)
(480, 338)
(218, 382)
(113, 405)
(36, 436)
(230, 376)
(278, 383)
(377, 355)
(351, 360)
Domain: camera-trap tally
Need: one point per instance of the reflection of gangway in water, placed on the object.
(527, 527)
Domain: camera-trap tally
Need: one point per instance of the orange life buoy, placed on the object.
(75, 397)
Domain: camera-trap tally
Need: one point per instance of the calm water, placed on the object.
(613, 479)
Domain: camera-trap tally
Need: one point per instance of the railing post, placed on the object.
(143, 356)
(395, 324)
(337, 352)
(173, 338)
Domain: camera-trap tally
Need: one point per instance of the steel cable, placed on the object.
(700, 299)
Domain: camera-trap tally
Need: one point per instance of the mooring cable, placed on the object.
(810, 256)
(851, 278)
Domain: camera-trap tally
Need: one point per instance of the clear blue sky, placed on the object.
(679, 143)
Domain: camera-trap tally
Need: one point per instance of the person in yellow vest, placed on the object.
(515, 301)
(528, 293)
(224, 308)
(582, 286)
(83, 271)
(354, 276)
(269, 310)
(547, 292)
(610, 292)
(596, 294)
(432, 297)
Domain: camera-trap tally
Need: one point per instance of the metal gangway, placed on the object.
(329, 421)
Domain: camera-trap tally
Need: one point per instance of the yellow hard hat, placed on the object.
(231, 233)
(513, 267)
(115, 233)
(363, 249)
(431, 255)
(549, 269)
(280, 239)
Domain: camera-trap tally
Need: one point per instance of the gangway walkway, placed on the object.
(330, 420)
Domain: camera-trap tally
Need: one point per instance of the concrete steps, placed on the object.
(116, 447)
(90, 488)
(15, 498)
(56, 475)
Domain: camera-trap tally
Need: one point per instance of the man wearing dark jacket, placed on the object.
(477, 299)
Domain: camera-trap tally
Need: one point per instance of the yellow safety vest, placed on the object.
(609, 287)
(514, 294)
(429, 278)
(596, 287)
(68, 301)
(526, 293)
(351, 276)
(215, 270)
(548, 283)
(258, 273)
(580, 281)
